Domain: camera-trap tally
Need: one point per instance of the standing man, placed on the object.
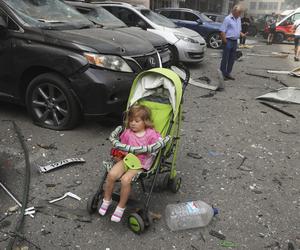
(272, 28)
(230, 33)
(245, 27)
(296, 27)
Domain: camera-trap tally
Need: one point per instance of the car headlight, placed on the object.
(186, 38)
(108, 62)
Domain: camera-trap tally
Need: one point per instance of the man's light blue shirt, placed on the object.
(232, 27)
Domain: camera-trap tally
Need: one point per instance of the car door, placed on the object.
(6, 69)
(287, 26)
(294, 18)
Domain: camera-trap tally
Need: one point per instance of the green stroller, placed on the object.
(161, 90)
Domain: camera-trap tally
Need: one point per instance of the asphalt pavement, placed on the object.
(235, 154)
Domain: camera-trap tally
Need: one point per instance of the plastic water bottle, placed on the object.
(189, 215)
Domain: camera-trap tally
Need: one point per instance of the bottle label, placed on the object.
(192, 208)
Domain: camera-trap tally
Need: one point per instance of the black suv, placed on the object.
(57, 63)
(102, 17)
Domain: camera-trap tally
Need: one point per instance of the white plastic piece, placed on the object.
(68, 194)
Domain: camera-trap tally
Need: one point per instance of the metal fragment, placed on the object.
(58, 164)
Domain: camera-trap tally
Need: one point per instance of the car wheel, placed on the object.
(50, 102)
(214, 41)
(174, 55)
(279, 37)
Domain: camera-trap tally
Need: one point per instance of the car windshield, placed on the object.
(203, 17)
(103, 17)
(158, 19)
(50, 14)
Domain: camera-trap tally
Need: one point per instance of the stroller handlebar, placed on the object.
(153, 148)
(183, 72)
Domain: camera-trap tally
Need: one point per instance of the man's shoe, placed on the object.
(226, 78)
(296, 59)
(230, 77)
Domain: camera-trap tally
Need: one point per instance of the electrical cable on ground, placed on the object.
(20, 222)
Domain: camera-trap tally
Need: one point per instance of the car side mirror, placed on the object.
(199, 22)
(142, 24)
(3, 24)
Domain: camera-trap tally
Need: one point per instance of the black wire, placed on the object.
(20, 221)
(14, 234)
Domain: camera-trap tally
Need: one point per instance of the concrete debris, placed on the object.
(294, 72)
(288, 95)
(273, 54)
(155, 216)
(245, 46)
(198, 83)
(47, 147)
(13, 209)
(217, 234)
(194, 155)
(210, 94)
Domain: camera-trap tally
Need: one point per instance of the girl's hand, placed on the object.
(117, 159)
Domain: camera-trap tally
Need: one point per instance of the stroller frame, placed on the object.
(140, 219)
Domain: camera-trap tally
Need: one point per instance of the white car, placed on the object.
(186, 45)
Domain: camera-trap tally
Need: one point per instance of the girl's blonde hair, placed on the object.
(139, 111)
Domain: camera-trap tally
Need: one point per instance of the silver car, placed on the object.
(186, 45)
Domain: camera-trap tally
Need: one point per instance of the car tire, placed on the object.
(214, 40)
(51, 103)
(174, 55)
(279, 37)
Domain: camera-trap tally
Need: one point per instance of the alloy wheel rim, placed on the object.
(215, 41)
(50, 104)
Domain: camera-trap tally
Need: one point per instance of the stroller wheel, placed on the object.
(136, 223)
(162, 182)
(166, 180)
(92, 203)
(175, 184)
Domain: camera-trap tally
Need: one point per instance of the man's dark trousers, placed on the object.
(229, 51)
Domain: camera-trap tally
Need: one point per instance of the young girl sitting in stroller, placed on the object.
(139, 132)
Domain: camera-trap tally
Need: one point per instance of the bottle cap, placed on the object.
(216, 211)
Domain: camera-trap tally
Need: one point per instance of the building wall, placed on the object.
(262, 7)
(145, 3)
(215, 6)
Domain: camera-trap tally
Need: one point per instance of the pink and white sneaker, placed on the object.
(117, 215)
(104, 206)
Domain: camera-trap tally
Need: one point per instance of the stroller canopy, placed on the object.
(159, 82)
